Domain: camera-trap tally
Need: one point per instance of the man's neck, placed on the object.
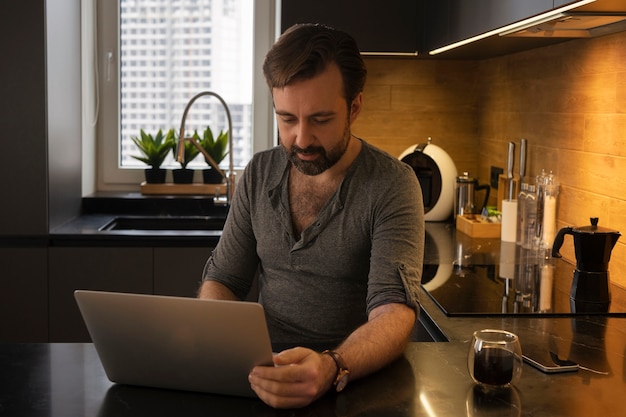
(309, 193)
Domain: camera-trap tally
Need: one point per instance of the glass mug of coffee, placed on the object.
(495, 358)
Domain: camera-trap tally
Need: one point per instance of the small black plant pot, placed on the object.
(183, 176)
(155, 175)
(211, 176)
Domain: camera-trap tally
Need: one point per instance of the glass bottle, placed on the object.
(546, 283)
(539, 184)
(530, 211)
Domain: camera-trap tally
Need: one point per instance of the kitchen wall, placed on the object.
(568, 101)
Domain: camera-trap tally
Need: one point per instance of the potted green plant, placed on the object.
(184, 175)
(154, 150)
(217, 148)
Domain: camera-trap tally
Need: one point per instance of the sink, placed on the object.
(164, 224)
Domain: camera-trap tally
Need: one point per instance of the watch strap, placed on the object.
(341, 378)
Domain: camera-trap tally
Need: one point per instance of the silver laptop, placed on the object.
(177, 343)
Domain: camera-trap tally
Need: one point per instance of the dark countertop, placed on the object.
(85, 230)
(100, 209)
(470, 277)
(588, 339)
(595, 342)
(431, 379)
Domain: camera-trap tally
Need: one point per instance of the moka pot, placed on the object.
(592, 247)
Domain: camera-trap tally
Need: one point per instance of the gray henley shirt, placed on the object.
(364, 250)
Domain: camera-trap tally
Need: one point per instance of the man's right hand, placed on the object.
(299, 377)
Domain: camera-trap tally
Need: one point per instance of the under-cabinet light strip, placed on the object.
(514, 27)
(519, 27)
(391, 54)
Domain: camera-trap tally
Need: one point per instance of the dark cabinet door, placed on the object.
(24, 294)
(23, 160)
(437, 31)
(450, 21)
(393, 26)
(178, 271)
(121, 269)
(472, 17)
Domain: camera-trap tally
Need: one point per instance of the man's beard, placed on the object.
(324, 161)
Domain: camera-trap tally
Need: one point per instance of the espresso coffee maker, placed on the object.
(592, 246)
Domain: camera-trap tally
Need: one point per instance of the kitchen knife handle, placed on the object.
(511, 160)
(522, 159)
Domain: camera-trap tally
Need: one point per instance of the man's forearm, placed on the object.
(216, 291)
(379, 341)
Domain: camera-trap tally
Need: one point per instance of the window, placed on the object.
(155, 55)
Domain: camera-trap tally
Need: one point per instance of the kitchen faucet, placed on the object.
(230, 179)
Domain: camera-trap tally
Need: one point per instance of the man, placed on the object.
(333, 226)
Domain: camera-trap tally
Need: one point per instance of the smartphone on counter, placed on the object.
(548, 361)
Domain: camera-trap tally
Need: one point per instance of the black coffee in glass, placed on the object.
(494, 366)
(494, 358)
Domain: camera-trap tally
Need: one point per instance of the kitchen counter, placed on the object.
(88, 230)
(477, 277)
(588, 339)
(431, 379)
(596, 341)
(101, 209)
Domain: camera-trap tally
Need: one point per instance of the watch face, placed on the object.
(342, 381)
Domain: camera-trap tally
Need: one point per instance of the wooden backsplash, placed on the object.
(568, 101)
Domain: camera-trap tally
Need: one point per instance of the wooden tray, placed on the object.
(183, 189)
(476, 227)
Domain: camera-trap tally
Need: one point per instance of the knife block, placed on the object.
(503, 189)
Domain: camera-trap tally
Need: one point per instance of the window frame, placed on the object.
(105, 99)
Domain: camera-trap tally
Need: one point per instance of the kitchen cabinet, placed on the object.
(123, 269)
(24, 294)
(174, 271)
(471, 18)
(436, 25)
(394, 26)
(41, 115)
(178, 271)
(559, 3)
(449, 21)
(23, 121)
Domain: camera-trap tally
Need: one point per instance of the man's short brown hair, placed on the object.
(305, 50)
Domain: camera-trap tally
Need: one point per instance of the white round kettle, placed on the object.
(437, 174)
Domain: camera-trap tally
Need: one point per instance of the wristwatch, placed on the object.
(343, 374)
